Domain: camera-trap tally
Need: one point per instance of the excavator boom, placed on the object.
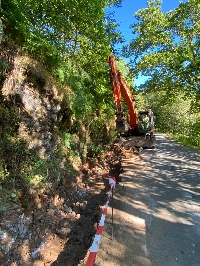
(122, 90)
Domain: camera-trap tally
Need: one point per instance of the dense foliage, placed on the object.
(166, 49)
(175, 117)
(72, 40)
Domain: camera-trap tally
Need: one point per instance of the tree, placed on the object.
(72, 38)
(175, 116)
(166, 47)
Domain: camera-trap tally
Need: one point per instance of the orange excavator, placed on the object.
(139, 124)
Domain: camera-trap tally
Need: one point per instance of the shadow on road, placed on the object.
(156, 209)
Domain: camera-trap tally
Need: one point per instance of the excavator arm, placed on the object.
(122, 90)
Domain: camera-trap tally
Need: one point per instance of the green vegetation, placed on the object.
(72, 40)
(174, 116)
(166, 49)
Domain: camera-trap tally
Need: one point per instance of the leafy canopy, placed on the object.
(166, 47)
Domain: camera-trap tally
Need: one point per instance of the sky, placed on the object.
(125, 17)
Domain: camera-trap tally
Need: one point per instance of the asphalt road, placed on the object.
(156, 210)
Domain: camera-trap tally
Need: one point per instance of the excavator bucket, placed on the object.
(141, 142)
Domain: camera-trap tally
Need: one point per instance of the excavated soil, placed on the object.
(61, 227)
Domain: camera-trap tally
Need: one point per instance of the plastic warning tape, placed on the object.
(97, 238)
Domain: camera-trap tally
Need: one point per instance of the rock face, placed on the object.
(14, 227)
(33, 93)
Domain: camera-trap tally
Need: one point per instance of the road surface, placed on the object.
(156, 210)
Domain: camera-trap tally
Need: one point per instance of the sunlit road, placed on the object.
(156, 210)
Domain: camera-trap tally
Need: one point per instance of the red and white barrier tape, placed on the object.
(97, 238)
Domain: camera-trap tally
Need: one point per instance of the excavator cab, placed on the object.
(146, 121)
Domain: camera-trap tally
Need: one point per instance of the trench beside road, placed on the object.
(156, 210)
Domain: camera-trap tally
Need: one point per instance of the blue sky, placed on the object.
(125, 17)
